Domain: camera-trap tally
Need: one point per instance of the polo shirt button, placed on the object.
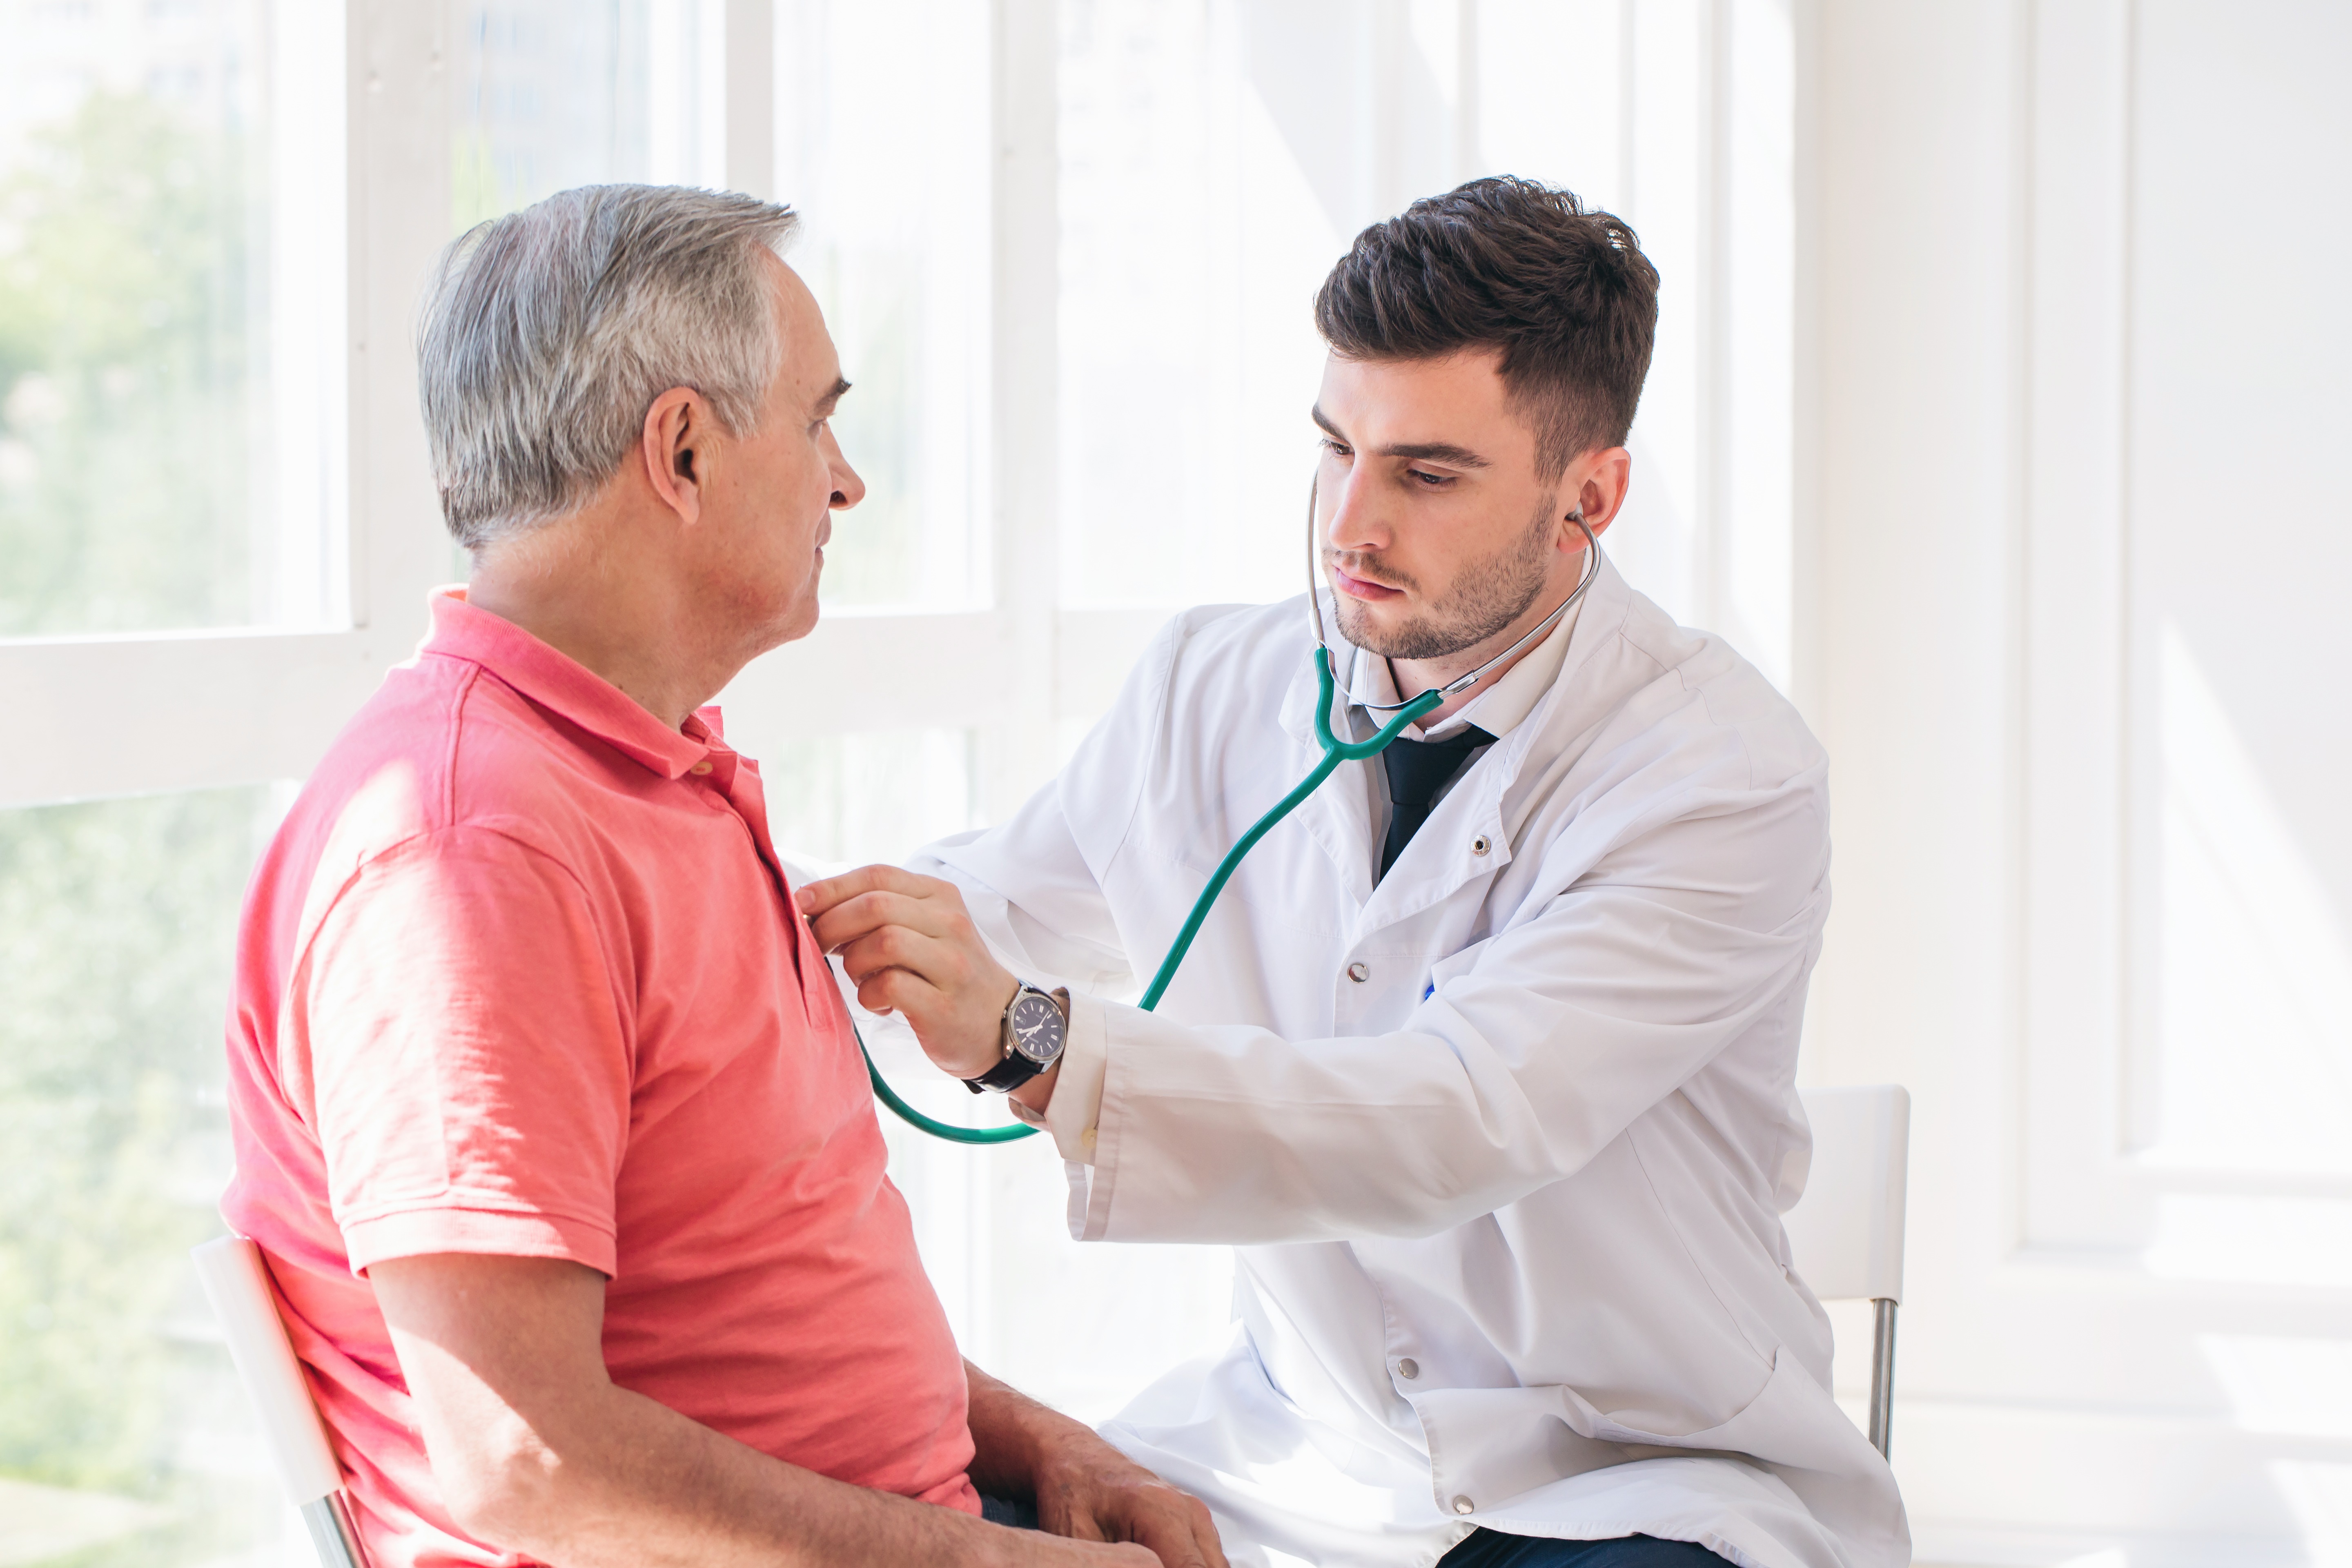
(1408, 1368)
(699, 769)
(1464, 1505)
(1360, 973)
(1479, 846)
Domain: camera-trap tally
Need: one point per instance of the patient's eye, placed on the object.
(1337, 448)
(1429, 481)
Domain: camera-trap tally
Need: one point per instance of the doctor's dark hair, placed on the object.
(1561, 291)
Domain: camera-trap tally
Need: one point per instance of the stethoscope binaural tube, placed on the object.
(1464, 683)
(1335, 751)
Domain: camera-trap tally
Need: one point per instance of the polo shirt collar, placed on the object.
(566, 688)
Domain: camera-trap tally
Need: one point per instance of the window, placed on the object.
(1067, 249)
(123, 1435)
(550, 94)
(170, 309)
(882, 142)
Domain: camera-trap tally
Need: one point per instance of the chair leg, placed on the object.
(1882, 1379)
(330, 1522)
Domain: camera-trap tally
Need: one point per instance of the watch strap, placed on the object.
(1006, 1076)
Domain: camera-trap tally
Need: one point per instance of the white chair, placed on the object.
(232, 1273)
(1846, 1232)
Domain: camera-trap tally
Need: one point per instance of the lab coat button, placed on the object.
(1479, 846)
(1408, 1368)
(1464, 1505)
(1360, 973)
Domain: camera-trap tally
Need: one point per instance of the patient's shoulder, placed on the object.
(445, 747)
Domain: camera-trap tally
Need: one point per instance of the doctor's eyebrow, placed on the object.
(1446, 452)
(825, 404)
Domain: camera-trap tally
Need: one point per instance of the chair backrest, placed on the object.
(231, 1270)
(235, 1279)
(1846, 1232)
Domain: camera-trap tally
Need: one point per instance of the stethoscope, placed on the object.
(1335, 751)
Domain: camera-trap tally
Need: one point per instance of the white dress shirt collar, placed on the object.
(1498, 710)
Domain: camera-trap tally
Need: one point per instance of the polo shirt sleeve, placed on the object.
(468, 1053)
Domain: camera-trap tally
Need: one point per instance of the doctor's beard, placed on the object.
(1488, 596)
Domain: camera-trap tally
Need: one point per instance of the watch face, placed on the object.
(1037, 1027)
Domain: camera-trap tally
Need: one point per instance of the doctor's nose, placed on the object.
(1350, 521)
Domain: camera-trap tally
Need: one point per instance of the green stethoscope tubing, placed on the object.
(1335, 751)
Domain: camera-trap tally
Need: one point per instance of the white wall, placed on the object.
(2076, 382)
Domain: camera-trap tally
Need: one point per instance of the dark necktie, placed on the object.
(1417, 770)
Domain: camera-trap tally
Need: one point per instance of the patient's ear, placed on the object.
(676, 430)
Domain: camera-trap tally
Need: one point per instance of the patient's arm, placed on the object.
(1083, 1486)
(536, 1451)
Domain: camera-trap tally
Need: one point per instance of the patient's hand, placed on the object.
(1085, 1488)
(910, 948)
(1090, 1491)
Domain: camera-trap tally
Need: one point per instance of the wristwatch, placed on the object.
(1034, 1031)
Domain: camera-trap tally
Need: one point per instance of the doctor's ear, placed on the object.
(1601, 491)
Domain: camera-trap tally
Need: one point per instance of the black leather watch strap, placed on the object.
(1006, 1076)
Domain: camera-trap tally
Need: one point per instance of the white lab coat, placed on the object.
(1510, 1252)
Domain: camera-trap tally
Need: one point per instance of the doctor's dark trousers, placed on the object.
(1489, 1549)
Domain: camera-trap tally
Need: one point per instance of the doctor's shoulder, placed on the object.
(1703, 686)
(1219, 651)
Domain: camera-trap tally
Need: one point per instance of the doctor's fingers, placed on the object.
(905, 993)
(878, 909)
(959, 1029)
(948, 966)
(817, 898)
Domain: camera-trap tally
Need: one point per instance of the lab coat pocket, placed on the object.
(1727, 1435)
(1455, 965)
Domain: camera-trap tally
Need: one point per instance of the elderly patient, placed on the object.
(548, 1115)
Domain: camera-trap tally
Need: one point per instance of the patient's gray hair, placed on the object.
(549, 332)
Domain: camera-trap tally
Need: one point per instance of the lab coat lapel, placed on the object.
(1439, 861)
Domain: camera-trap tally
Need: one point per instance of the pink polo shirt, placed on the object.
(520, 974)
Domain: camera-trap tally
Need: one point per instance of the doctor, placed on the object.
(1485, 1061)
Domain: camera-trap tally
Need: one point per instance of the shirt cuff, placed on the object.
(499, 1233)
(1076, 1107)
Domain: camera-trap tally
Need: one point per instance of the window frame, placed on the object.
(122, 714)
(105, 715)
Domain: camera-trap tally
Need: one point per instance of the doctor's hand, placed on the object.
(910, 948)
